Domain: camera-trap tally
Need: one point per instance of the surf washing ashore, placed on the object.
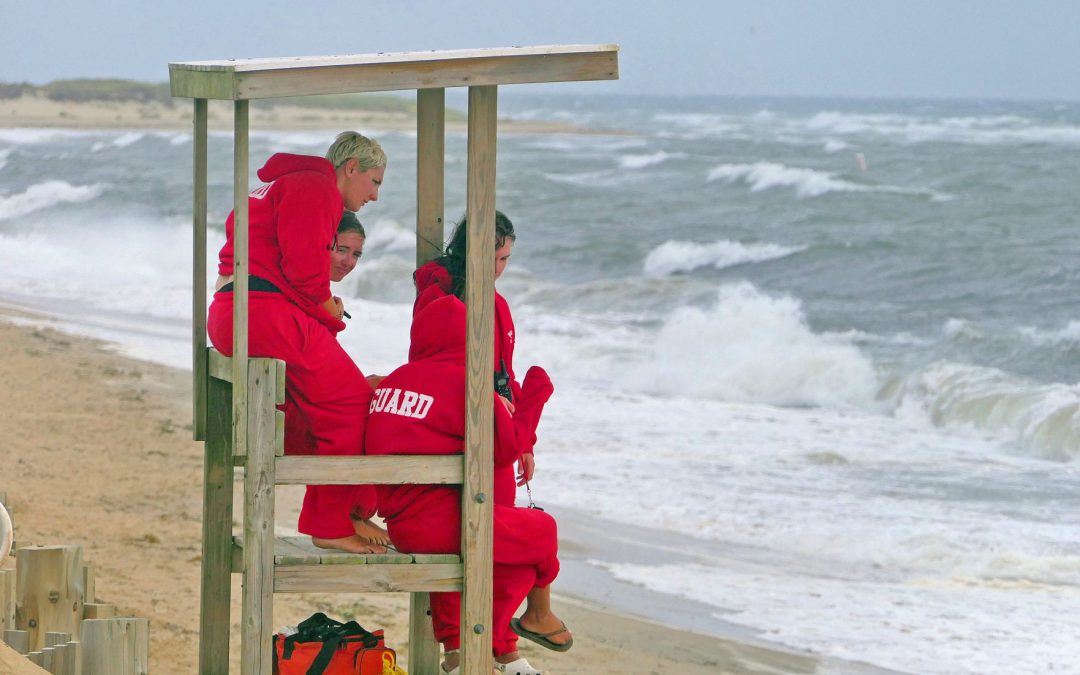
(815, 360)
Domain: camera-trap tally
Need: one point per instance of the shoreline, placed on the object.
(119, 428)
(37, 112)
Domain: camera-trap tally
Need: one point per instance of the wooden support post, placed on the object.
(19, 640)
(217, 531)
(98, 610)
(47, 654)
(49, 591)
(89, 583)
(258, 594)
(423, 649)
(198, 267)
(74, 650)
(35, 658)
(476, 493)
(115, 646)
(240, 278)
(7, 599)
(430, 174)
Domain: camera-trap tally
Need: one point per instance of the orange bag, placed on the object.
(323, 646)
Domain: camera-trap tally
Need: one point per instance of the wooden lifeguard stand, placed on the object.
(234, 399)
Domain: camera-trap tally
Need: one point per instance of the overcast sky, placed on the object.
(1018, 49)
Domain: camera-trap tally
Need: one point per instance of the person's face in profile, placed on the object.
(361, 187)
(345, 254)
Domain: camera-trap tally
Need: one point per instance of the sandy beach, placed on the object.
(38, 111)
(97, 451)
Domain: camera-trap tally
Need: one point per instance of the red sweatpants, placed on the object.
(525, 556)
(326, 397)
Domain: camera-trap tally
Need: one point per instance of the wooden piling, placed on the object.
(48, 591)
(118, 646)
(7, 600)
(19, 640)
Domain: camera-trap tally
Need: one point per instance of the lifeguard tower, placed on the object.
(235, 399)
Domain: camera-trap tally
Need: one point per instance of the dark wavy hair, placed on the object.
(454, 257)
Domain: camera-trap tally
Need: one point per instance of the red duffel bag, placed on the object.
(323, 646)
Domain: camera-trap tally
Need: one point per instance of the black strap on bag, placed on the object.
(332, 634)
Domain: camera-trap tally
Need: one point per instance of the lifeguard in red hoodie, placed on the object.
(292, 315)
(446, 276)
(420, 409)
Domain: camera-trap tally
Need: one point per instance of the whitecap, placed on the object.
(684, 256)
(44, 195)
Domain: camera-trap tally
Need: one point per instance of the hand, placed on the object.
(340, 307)
(526, 468)
(375, 380)
(334, 308)
(506, 402)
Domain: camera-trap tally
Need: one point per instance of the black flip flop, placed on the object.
(542, 638)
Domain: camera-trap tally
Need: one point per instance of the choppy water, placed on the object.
(861, 383)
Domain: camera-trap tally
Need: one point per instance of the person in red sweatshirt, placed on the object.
(420, 409)
(292, 315)
(446, 276)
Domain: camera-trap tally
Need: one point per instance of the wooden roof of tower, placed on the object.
(259, 442)
(242, 79)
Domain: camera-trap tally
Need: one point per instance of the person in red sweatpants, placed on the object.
(292, 315)
(420, 409)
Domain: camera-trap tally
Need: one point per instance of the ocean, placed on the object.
(821, 354)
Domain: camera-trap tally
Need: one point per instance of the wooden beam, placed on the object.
(198, 267)
(423, 649)
(118, 646)
(369, 470)
(477, 494)
(217, 516)
(430, 173)
(303, 76)
(258, 601)
(49, 591)
(240, 278)
(368, 578)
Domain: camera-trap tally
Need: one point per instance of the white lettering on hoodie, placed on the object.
(401, 402)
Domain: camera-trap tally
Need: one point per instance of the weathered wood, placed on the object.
(13, 662)
(367, 578)
(258, 602)
(270, 78)
(430, 173)
(49, 591)
(74, 657)
(217, 518)
(423, 649)
(89, 582)
(53, 638)
(199, 279)
(98, 610)
(7, 600)
(64, 656)
(19, 640)
(476, 494)
(240, 279)
(36, 659)
(369, 470)
(290, 551)
(47, 659)
(116, 646)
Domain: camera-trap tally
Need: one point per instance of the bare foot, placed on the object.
(547, 624)
(352, 544)
(371, 533)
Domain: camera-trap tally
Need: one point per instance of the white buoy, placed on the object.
(860, 161)
(7, 533)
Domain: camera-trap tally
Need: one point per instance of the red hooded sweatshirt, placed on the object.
(292, 223)
(420, 409)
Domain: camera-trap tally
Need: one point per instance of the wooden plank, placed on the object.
(98, 610)
(119, 646)
(7, 600)
(367, 578)
(258, 603)
(430, 174)
(430, 558)
(217, 515)
(89, 583)
(198, 255)
(369, 470)
(49, 591)
(219, 365)
(269, 78)
(279, 433)
(19, 640)
(240, 279)
(476, 509)
(423, 649)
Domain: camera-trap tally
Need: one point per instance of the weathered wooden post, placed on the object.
(49, 591)
(19, 640)
(7, 600)
(98, 610)
(115, 646)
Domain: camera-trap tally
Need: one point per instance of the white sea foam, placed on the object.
(4, 154)
(1069, 335)
(835, 145)
(755, 348)
(684, 256)
(807, 182)
(981, 130)
(127, 139)
(45, 195)
(642, 161)
(33, 136)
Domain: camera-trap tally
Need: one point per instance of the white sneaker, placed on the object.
(519, 667)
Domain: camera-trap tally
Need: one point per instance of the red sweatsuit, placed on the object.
(433, 281)
(292, 223)
(420, 409)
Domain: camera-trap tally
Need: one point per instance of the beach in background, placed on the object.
(815, 359)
